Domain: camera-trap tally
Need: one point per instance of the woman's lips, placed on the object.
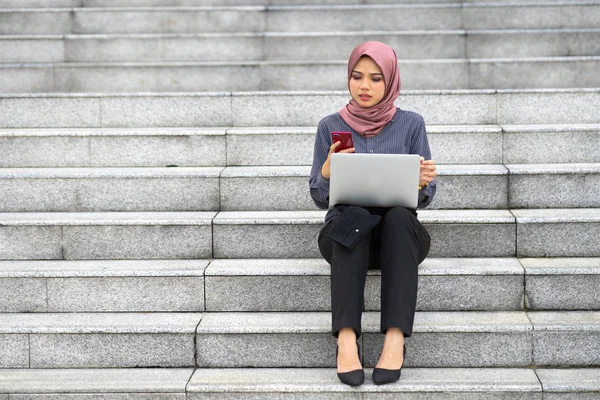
(364, 97)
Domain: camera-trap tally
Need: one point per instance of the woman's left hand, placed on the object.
(427, 173)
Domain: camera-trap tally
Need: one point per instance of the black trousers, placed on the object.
(397, 245)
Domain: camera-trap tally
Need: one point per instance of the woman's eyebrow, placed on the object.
(374, 73)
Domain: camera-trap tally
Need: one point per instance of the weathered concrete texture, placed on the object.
(558, 72)
(111, 350)
(182, 147)
(471, 240)
(27, 195)
(558, 233)
(283, 109)
(526, 108)
(95, 382)
(30, 242)
(460, 193)
(165, 47)
(465, 144)
(265, 350)
(562, 283)
(57, 151)
(126, 294)
(137, 242)
(119, 77)
(14, 351)
(268, 293)
(535, 186)
(173, 111)
(32, 49)
(458, 293)
(266, 234)
(55, 22)
(572, 143)
(284, 193)
(566, 338)
(270, 146)
(502, 17)
(49, 111)
(169, 21)
(18, 78)
(315, 19)
(23, 295)
(460, 107)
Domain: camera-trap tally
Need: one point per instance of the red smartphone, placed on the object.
(344, 137)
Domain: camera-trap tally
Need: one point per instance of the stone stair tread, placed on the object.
(319, 267)
(83, 132)
(320, 322)
(113, 172)
(299, 217)
(83, 323)
(557, 215)
(117, 380)
(317, 380)
(107, 218)
(102, 268)
(558, 168)
(444, 169)
(560, 266)
(570, 380)
(580, 321)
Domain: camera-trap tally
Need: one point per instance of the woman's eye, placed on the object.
(356, 77)
(376, 79)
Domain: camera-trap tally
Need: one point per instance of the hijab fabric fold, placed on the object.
(368, 122)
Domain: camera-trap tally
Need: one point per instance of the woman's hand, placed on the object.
(427, 172)
(326, 168)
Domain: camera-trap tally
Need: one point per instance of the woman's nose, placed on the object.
(364, 84)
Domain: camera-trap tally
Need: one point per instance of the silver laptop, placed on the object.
(374, 180)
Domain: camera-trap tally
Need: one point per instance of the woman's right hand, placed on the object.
(326, 168)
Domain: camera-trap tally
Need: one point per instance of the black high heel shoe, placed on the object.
(352, 378)
(382, 376)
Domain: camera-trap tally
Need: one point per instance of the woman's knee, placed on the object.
(399, 215)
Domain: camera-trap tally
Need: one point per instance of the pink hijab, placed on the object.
(368, 122)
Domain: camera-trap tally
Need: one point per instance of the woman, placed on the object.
(394, 240)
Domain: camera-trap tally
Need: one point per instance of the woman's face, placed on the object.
(366, 84)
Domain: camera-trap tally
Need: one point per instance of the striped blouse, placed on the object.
(404, 134)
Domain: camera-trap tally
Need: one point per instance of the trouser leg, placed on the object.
(348, 276)
(404, 245)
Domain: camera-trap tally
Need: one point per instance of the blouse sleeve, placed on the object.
(319, 186)
(420, 145)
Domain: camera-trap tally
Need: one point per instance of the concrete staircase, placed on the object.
(157, 239)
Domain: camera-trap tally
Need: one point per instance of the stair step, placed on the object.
(524, 144)
(85, 236)
(558, 232)
(97, 340)
(102, 286)
(534, 185)
(259, 109)
(562, 283)
(109, 189)
(425, 74)
(284, 188)
(270, 383)
(322, 383)
(304, 285)
(118, 383)
(297, 46)
(440, 339)
(113, 147)
(293, 234)
(296, 18)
